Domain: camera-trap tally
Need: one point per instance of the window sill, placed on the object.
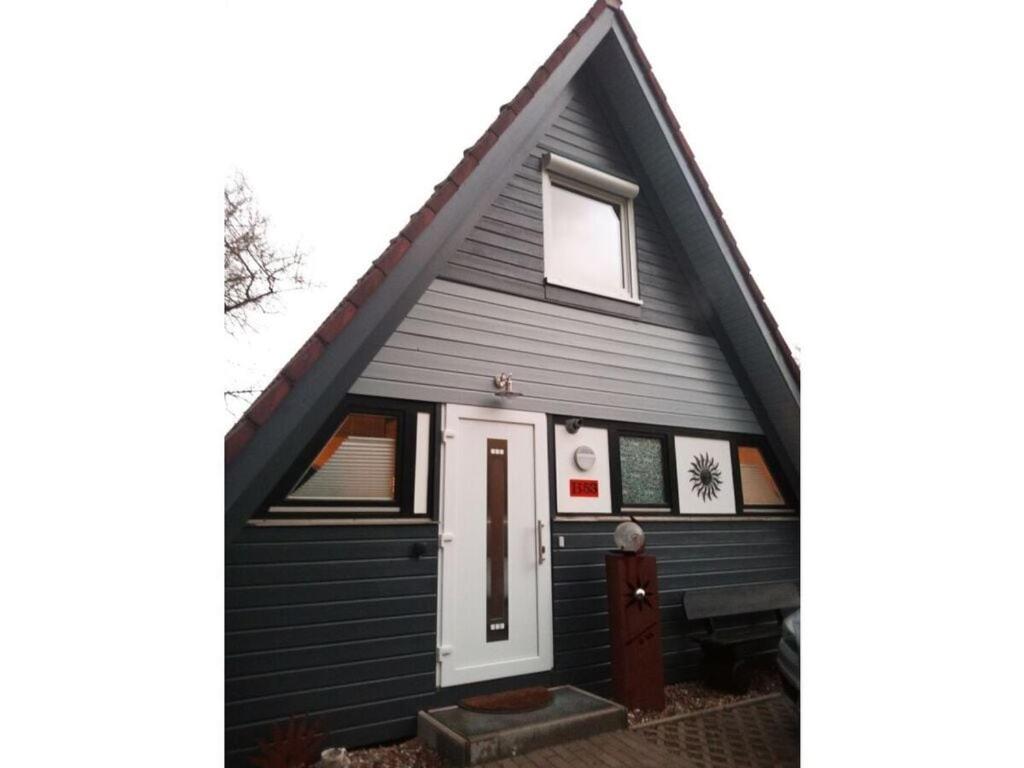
(612, 297)
(570, 517)
(299, 523)
(336, 509)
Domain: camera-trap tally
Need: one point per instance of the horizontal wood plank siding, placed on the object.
(335, 622)
(564, 361)
(358, 653)
(505, 251)
(689, 555)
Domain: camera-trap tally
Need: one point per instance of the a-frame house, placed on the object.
(564, 335)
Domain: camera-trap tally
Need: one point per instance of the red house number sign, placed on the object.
(585, 488)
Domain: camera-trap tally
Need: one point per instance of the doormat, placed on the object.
(507, 702)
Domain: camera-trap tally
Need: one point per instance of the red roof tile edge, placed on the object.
(263, 407)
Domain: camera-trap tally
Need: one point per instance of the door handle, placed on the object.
(541, 549)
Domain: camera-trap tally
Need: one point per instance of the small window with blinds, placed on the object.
(373, 459)
(589, 230)
(356, 465)
(758, 484)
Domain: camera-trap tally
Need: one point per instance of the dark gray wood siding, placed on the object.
(505, 250)
(690, 555)
(338, 622)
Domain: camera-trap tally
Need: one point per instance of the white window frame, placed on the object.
(576, 177)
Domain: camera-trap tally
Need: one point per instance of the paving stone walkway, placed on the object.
(759, 734)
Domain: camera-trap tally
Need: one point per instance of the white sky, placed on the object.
(351, 113)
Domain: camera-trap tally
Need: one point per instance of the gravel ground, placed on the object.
(694, 696)
(407, 754)
(680, 699)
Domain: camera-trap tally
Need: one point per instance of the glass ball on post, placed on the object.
(629, 537)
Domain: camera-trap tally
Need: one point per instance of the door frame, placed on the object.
(451, 415)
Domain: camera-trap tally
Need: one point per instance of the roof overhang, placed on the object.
(738, 314)
(252, 475)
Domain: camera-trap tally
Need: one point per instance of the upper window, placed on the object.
(759, 487)
(589, 238)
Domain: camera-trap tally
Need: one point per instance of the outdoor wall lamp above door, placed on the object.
(503, 382)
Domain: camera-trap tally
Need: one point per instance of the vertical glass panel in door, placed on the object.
(497, 540)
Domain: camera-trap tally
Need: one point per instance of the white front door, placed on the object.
(495, 569)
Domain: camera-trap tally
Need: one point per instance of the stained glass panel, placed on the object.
(643, 471)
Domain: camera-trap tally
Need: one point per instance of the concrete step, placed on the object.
(464, 738)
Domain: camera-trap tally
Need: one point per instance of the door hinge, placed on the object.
(448, 434)
(445, 538)
(442, 651)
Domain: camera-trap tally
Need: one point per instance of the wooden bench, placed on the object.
(730, 650)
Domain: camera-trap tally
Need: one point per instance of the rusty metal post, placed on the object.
(638, 677)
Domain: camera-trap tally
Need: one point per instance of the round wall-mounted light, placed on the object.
(584, 457)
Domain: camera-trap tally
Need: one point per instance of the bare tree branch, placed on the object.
(236, 401)
(255, 273)
(240, 393)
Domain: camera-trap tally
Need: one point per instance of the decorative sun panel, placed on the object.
(704, 473)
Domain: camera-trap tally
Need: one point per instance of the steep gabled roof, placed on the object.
(515, 120)
(278, 389)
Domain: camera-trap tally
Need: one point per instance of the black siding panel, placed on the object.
(337, 622)
(270, 595)
(289, 660)
(357, 650)
(690, 554)
(313, 613)
(276, 683)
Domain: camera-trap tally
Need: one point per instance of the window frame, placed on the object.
(615, 429)
(769, 462)
(668, 457)
(576, 177)
(279, 507)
